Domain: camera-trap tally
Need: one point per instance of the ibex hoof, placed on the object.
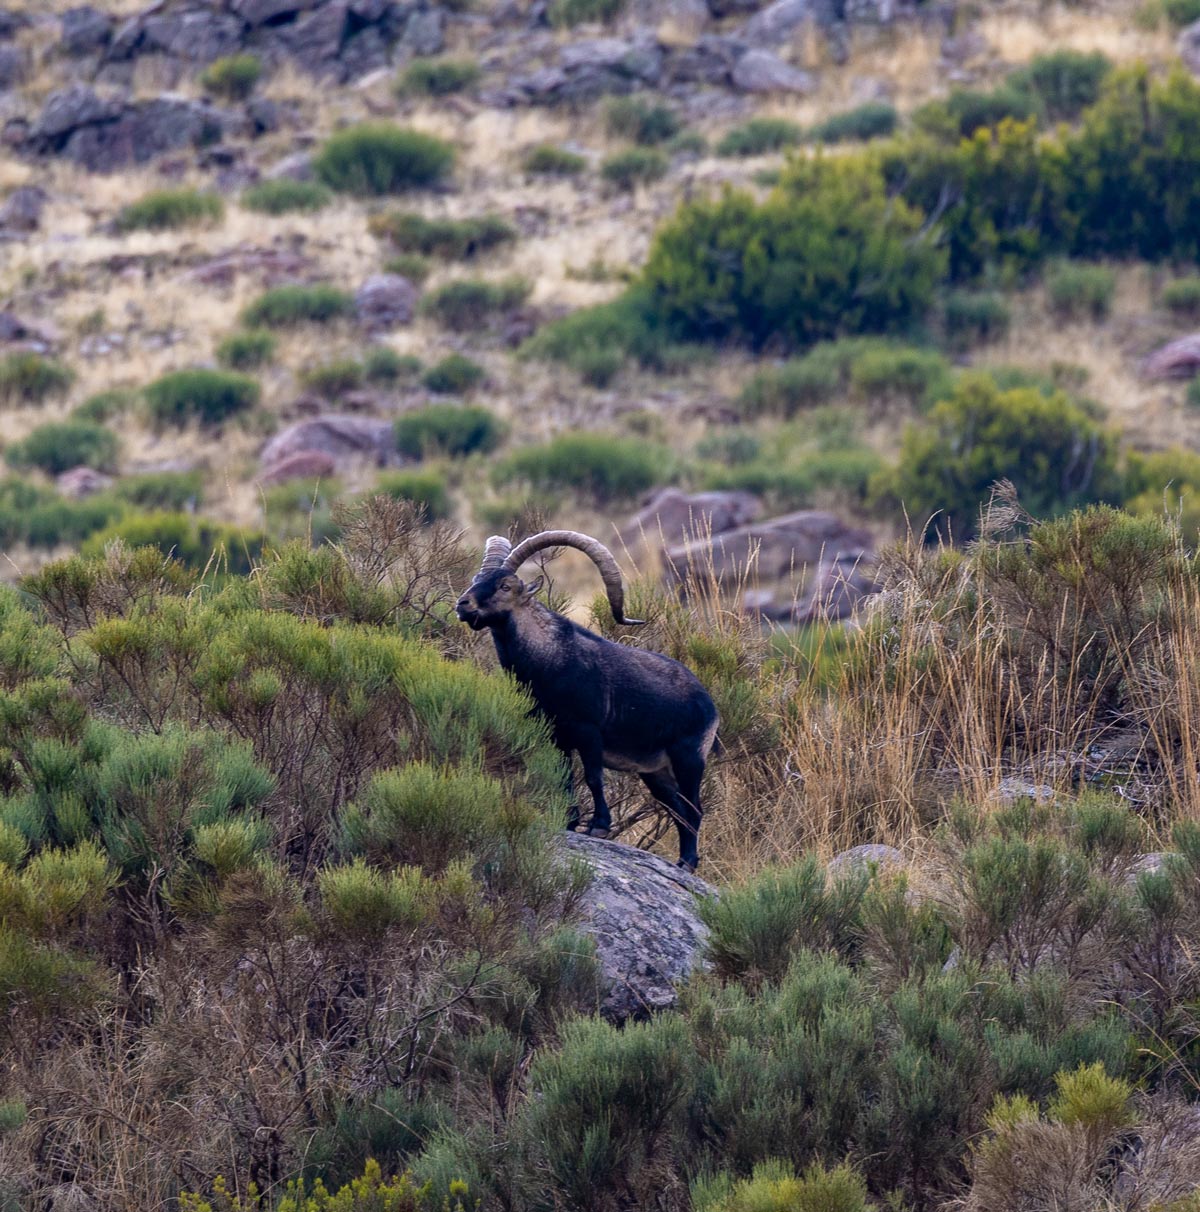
(690, 868)
(594, 831)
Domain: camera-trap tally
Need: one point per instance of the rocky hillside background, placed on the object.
(163, 171)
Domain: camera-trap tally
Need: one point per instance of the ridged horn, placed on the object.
(593, 548)
(495, 552)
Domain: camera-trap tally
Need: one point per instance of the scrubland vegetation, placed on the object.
(284, 920)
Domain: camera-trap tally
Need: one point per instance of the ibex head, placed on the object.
(497, 590)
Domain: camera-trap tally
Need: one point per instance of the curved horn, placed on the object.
(599, 554)
(495, 552)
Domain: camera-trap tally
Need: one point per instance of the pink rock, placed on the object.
(82, 482)
(335, 435)
(303, 465)
(1178, 359)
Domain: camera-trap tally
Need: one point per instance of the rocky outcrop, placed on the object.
(104, 134)
(671, 517)
(760, 71)
(586, 70)
(782, 547)
(22, 211)
(641, 911)
(304, 465)
(385, 301)
(838, 589)
(1176, 360)
(342, 438)
(81, 482)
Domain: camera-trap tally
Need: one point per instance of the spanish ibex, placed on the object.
(618, 707)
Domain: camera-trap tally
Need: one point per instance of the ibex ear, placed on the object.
(531, 587)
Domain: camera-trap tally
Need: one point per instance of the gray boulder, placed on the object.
(81, 482)
(343, 438)
(641, 911)
(672, 516)
(1178, 359)
(315, 40)
(779, 547)
(1188, 46)
(259, 12)
(385, 301)
(759, 71)
(839, 588)
(425, 33)
(14, 66)
(22, 210)
(304, 465)
(85, 30)
(873, 854)
(66, 111)
(776, 22)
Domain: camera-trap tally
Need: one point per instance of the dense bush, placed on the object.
(172, 491)
(1182, 297)
(384, 366)
(601, 468)
(1080, 291)
(247, 350)
(105, 405)
(1181, 12)
(206, 396)
(409, 265)
(1064, 82)
(452, 239)
(1055, 453)
(283, 196)
(424, 488)
(452, 430)
(454, 374)
(194, 542)
(287, 306)
(563, 13)
(377, 158)
(39, 517)
(871, 120)
(633, 167)
(438, 77)
(333, 379)
(827, 254)
(597, 341)
(759, 136)
(167, 209)
(965, 111)
(641, 121)
(28, 378)
(974, 315)
(549, 161)
(467, 304)
(232, 77)
(59, 447)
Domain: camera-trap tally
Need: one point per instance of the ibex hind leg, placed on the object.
(687, 765)
(591, 754)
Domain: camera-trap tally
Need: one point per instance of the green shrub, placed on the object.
(28, 378)
(454, 375)
(788, 483)
(601, 468)
(59, 447)
(828, 253)
(335, 378)
(233, 77)
(1192, 395)
(546, 160)
(167, 209)
(247, 350)
(425, 488)
(174, 491)
(194, 542)
(799, 383)
(1182, 297)
(641, 121)
(288, 306)
(408, 265)
(438, 77)
(774, 1187)
(105, 405)
(283, 196)
(872, 120)
(1064, 82)
(565, 13)
(39, 517)
(633, 167)
(471, 303)
(377, 158)
(755, 929)
(966, 110)
(451, 430)
(975, 315)
(688, 143)
(1080, 291)
(209, 397)
(760, 136)
(917, 376)
(1057, 456)
(384, 366)
(451, 239)
(1182, 12)
(596, 341)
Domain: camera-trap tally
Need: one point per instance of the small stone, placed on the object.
(759, 71)
(22, 209)
(859, 858)
(81, 482)
(425, 33)
(385, 301)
